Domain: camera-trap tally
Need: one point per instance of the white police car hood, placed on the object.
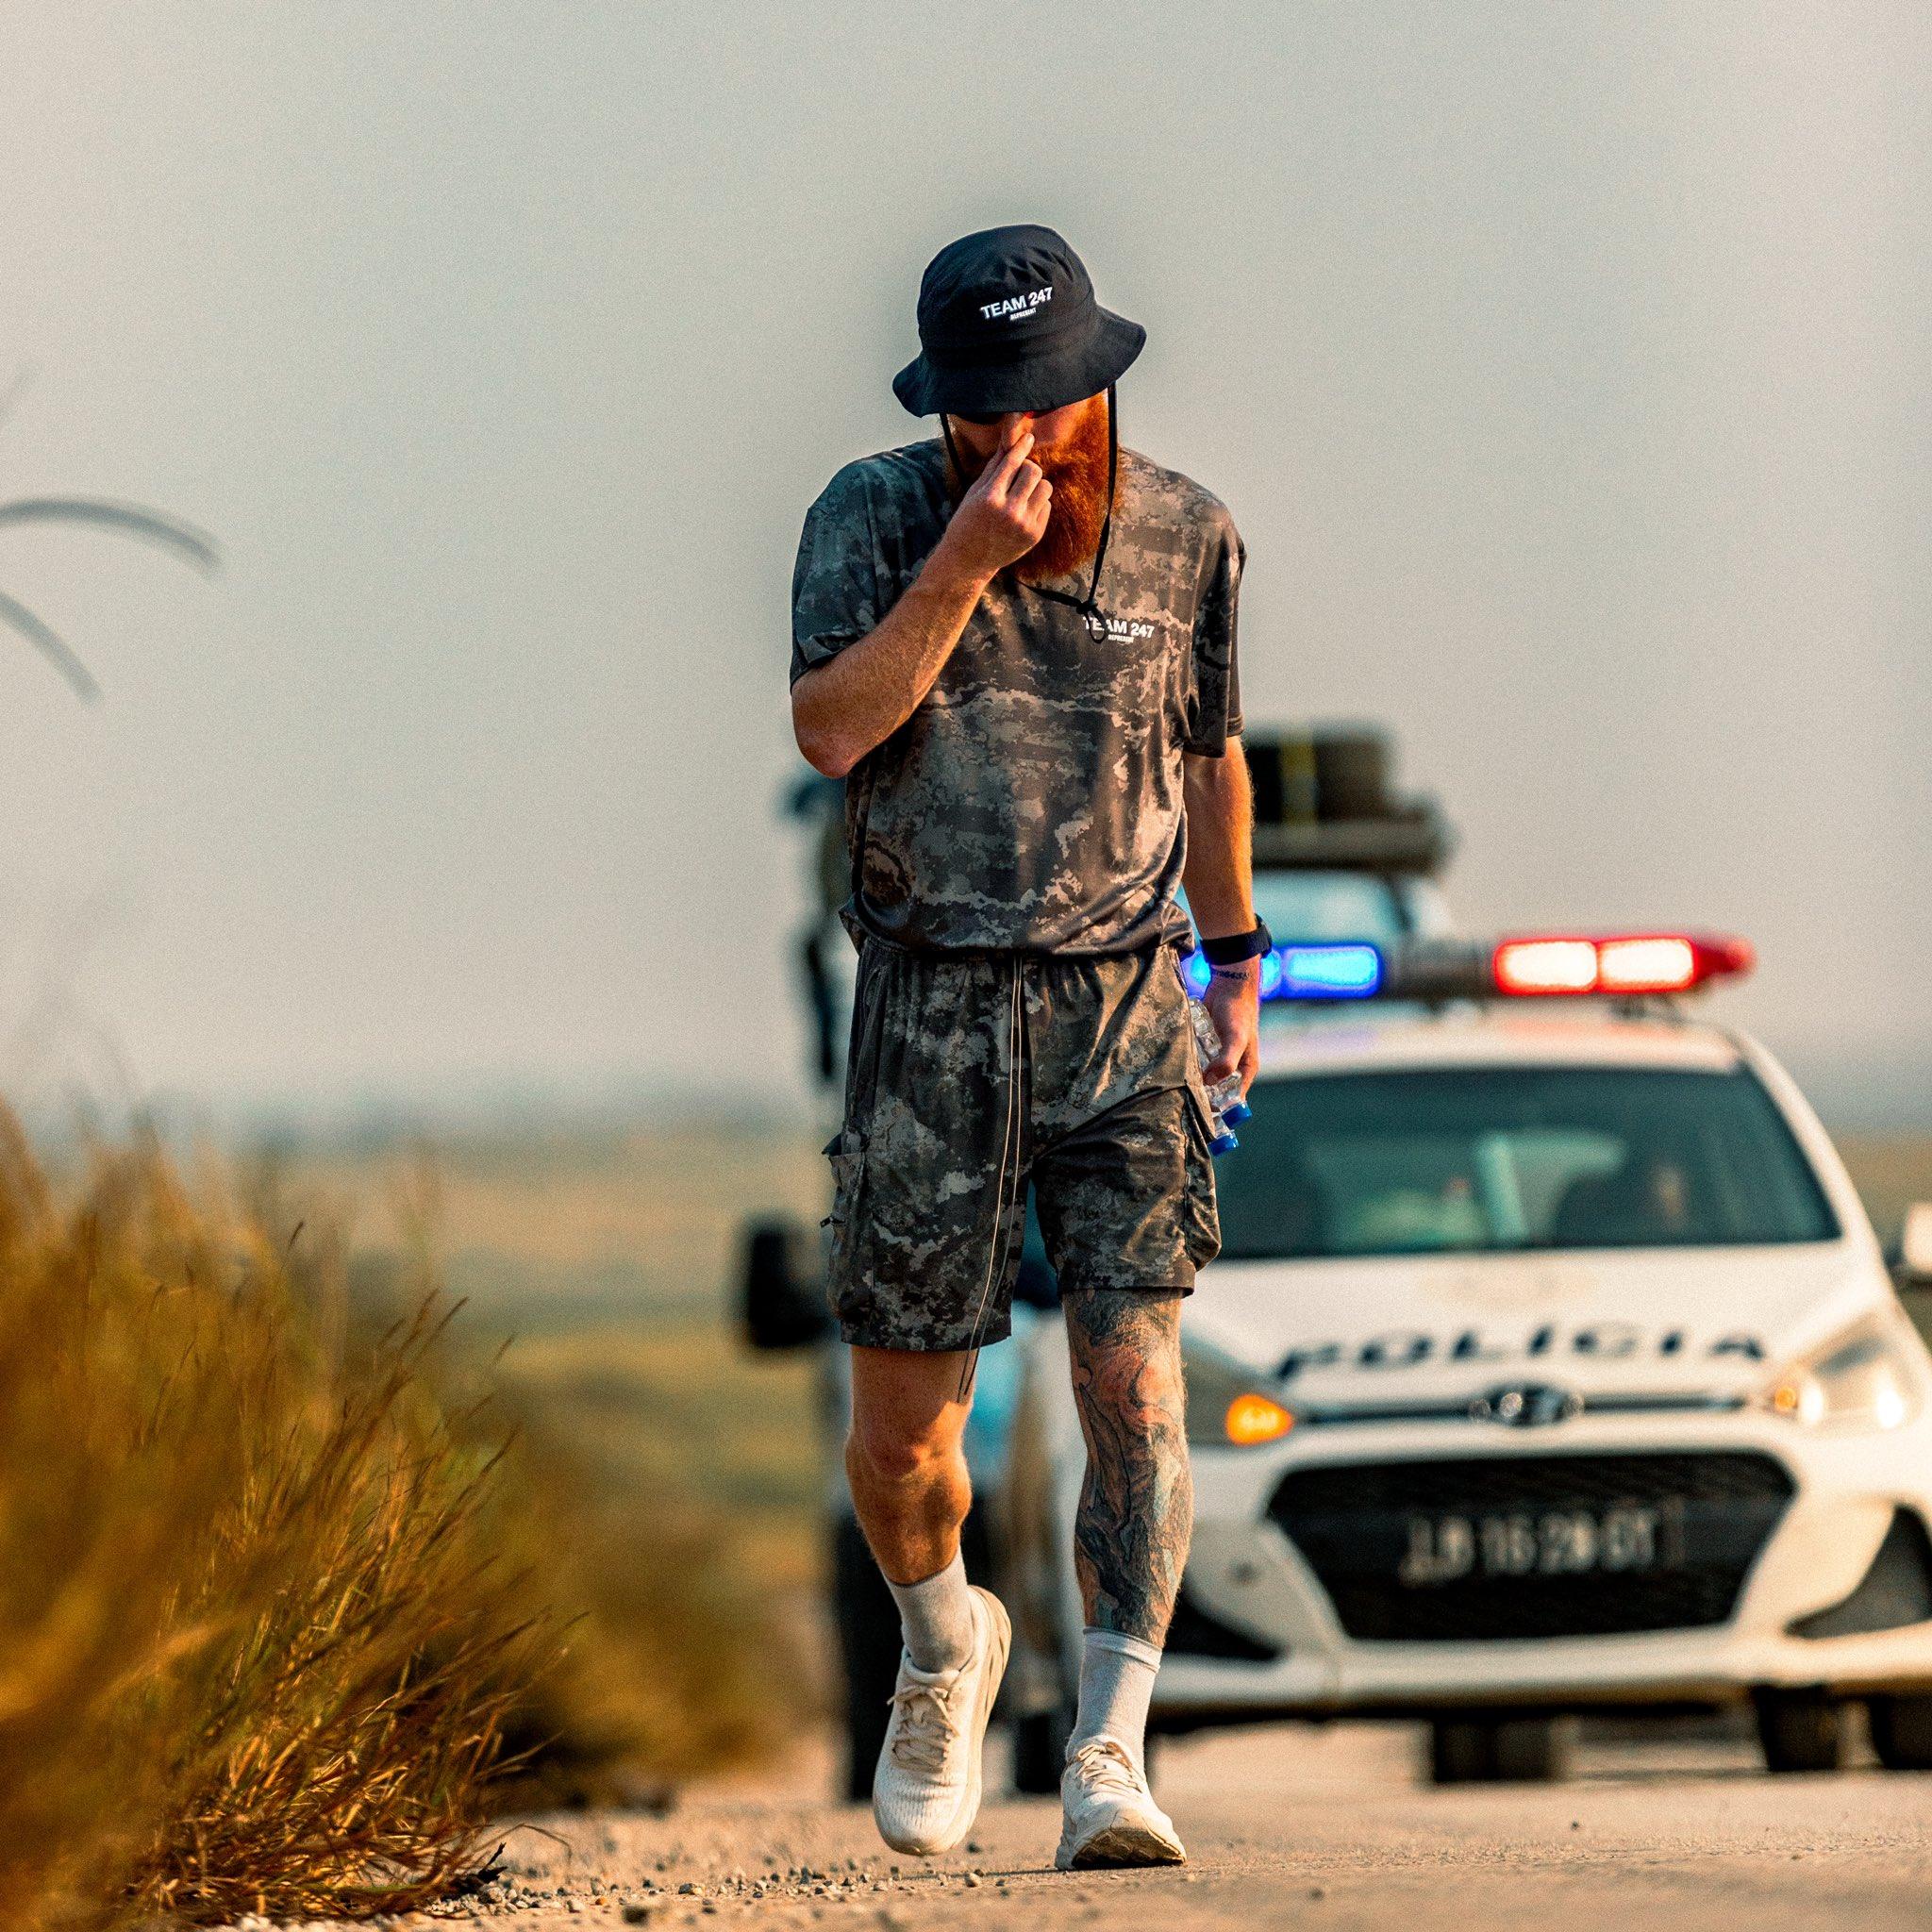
(1711, 1322)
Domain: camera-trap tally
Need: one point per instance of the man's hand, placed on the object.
(1233, 1000)
(841, 708)
(1003, 514)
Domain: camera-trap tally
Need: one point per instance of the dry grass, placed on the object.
(256, 1653)
(669, 1487)
(672, 1668)
(650, 1515)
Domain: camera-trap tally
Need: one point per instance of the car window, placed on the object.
(1328, 905)
(1476, 1159)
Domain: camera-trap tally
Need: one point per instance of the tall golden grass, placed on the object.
(675, 1665)
(257, 1644)
(672, 1670)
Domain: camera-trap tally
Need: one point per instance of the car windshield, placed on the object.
(1328, 905)
(1484, 1159)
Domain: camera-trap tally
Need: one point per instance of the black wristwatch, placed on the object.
(1238, 948)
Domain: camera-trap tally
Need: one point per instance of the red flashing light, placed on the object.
(1649, 965)
(1532, 966)
(1621, 965)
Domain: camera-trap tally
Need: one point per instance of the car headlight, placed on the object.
(1227, 1402)
(1869, 1377)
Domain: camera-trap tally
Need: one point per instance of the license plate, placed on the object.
(1615, 1539)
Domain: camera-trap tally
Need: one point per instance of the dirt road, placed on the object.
(1290, 1828)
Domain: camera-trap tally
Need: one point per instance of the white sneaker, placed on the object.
(1112, 1818)
(925, 1791)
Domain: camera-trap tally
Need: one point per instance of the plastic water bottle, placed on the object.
(1226, 1107)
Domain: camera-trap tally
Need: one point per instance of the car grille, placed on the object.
(1355, 1522)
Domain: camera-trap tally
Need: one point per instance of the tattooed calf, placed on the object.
(1137, 1506)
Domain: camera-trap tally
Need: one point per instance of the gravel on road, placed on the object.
(1325, 1829)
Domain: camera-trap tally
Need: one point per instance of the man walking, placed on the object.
(1016, 641)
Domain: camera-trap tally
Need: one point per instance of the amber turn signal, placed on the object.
(1253, 1419)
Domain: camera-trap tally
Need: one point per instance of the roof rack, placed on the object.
(1324, 802)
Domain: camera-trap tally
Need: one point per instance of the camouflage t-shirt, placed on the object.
(1033, 801)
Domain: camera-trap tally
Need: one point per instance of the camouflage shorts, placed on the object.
(971, 1075)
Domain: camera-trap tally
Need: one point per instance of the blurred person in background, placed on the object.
(1016, 643)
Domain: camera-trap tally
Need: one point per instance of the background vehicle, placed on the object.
(1550, 1366)
(1337, 852)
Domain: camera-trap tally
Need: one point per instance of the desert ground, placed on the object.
(1283, 1827)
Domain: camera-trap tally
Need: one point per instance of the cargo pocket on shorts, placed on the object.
(848, 1173)
(1200, 1214)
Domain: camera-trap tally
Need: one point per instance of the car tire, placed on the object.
(1535, 1749)
(1040, 1750)
(870, 1642)
(1902, 1732)
(1500, 1750)
(868, 1645)
(1800, 1730)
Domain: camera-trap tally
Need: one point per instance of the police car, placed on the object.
(1551, 1365)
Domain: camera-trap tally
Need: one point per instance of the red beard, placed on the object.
(1076, 466)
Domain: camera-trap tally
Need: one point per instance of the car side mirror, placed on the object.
(782, 1288)
(1915, 1247)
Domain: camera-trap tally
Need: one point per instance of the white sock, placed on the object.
(1116, 1685)
(936, 1617)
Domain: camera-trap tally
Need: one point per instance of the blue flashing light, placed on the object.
(1351, 970)
(1337, 970)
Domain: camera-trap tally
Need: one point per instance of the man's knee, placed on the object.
(1128, 1380)
(889, 1450)
(1144, 1425)
(1143, 1321)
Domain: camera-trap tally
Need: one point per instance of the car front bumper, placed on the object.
(1249, 1588)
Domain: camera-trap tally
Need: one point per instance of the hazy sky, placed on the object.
(1566, 367)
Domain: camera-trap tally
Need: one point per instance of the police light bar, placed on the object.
(1638, 965)
(1529, 966)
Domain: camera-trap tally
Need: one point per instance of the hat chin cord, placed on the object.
(1087, 605)
(1091, 606)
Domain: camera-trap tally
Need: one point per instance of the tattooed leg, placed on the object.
(1137, 1508)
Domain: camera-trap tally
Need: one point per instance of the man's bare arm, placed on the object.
(1220, 878)
(1220, 872)
(842, 708)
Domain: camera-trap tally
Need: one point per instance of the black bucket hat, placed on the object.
(1008, 321)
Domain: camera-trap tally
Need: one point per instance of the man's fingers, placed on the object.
(1006, 465)
(1251, 1064)
(1231, 1005)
